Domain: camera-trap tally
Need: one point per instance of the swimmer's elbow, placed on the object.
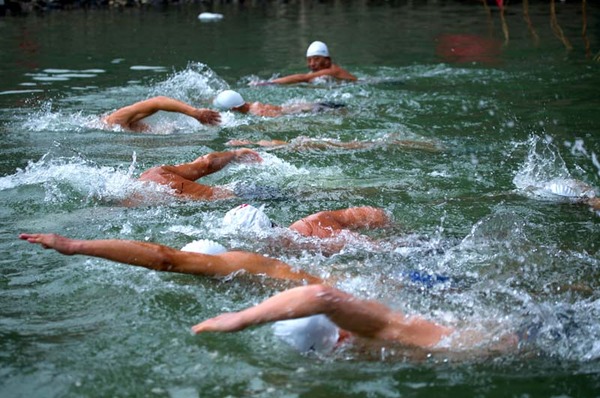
(164, 260)
(325, 297)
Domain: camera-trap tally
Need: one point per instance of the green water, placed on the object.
(505, 117)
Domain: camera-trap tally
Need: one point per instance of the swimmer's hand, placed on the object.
(207, 116)
(228, 322)
(246, 155)
(51, 241)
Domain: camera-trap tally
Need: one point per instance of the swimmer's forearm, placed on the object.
(291, 79)
(143, 254)
(172, 105)
(148, 255)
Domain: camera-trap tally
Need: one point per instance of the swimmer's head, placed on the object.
(317, 49)
(317, 57)
(204, 246)
(228, 99)
(247, 217)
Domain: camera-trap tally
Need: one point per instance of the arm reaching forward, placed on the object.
(334, 71)
(363, 318)
(163, 258)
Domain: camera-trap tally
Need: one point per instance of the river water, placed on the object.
(471, 117)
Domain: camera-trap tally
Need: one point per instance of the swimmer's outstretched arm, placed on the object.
(363, 318)
(163, 258)
(132, 114)
(329, 223)
(334, 71)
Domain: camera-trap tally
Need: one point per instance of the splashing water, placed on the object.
(195, 83)
(63, 177)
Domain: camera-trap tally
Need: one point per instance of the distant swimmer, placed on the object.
(320, 64)
(570, 189)
(344, 316)
(233, 101)
(182, 178)
(130, 117)
(307, 143)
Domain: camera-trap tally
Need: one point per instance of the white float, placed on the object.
(210, 16)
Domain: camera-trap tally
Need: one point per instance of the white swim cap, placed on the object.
(569, 188)
(313, 333)
(247, 217)
(317, 48)
(204, 246)
(228, 99)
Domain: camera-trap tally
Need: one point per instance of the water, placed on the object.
(505, 120)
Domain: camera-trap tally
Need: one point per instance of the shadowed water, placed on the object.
(475, 141)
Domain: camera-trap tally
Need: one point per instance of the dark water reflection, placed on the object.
(506, 114)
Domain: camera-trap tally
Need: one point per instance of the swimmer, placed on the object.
(306, 143)
(320, 64)
(130, 117)
(570, 189)
(324, 224)
(230, 100)
(353, 317)
(182, 178)
(205, 258)
(209, 258)
(333, 228)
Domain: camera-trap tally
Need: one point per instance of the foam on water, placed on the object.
(62, 177)
(46, 118)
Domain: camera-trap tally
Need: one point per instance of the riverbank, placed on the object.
(22, 8)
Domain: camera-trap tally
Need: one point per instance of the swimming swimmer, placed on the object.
(334, 228)
(130, 117)
(365, 319)
(324, 224)
(220, 262)
(233, 101)
(182, 178)
(320, 64)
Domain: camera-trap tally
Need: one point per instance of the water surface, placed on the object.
(506, 114)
